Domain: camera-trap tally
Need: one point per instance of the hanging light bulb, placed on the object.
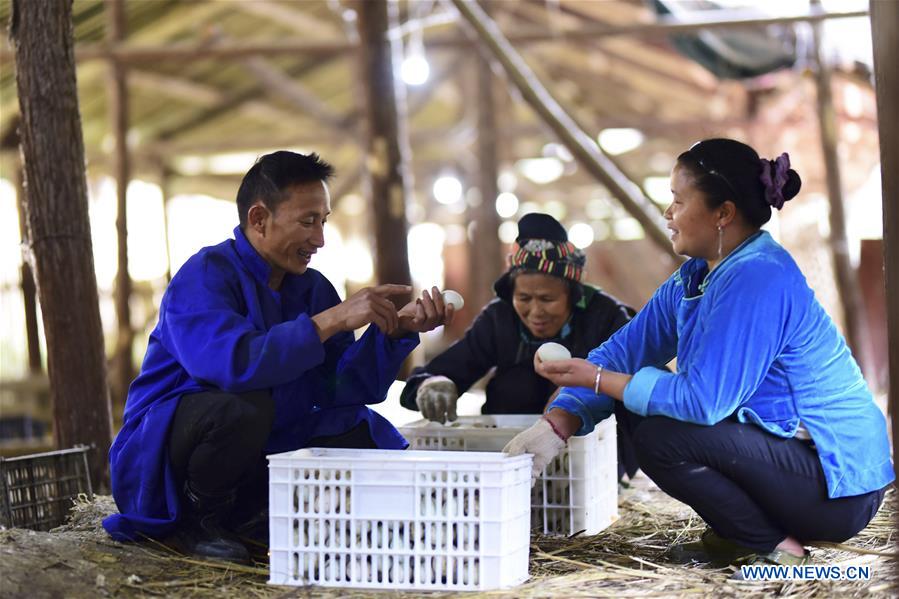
(415, 68)
(447, 189)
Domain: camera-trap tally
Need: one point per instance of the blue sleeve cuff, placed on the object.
(312, 350)
(402, 345)
(572, 405)
(586, 405)
(639, 390)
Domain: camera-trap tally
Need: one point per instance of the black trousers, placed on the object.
(626, 423)
(217, 442)
(750, 486)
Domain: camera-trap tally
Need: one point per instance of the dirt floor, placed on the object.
(79, 560)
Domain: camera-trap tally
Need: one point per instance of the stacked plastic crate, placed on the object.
(578, 490)
(421, 520)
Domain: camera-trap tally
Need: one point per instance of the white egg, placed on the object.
(453, 298)
(550, 352)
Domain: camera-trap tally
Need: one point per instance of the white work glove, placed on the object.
(436, 399)
(540, 440)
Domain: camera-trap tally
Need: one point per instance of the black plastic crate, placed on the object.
(39, 489)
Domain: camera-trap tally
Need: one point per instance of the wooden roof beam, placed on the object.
(176, 87)
(299, 21)
(586, 151)
(165, 145)
(199, 94)
(231, 102)
(273, 79)
(708, 85)
(664, 26)
(131, 54)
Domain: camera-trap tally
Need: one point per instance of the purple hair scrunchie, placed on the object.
(775, 181)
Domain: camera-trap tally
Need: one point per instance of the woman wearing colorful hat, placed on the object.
(767, 429)
(540, 298)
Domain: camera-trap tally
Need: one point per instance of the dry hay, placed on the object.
(627, 559)
(79, 560)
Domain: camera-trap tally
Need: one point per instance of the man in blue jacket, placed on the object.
(254, 354)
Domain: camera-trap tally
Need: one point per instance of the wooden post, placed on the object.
(386, 143)
(118, 115)
(846, 279)
(29, 291)
(9, 141)
(584, 149)
(485, 251)
(884, 16)
(59, 235)
(165, 182)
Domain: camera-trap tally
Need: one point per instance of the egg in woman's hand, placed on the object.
(454, 299)
(550, 352)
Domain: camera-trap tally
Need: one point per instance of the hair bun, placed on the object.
(781, 183)
(792, 186)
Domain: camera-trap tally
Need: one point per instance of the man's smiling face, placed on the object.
(287, 237)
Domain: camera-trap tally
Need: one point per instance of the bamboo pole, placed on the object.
(846, 278)
(118, 118)
(884, 16)
(719, 19)
(386, 141)
(586, 151)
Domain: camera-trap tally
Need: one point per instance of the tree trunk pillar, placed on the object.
(58, 244)
(386, 142)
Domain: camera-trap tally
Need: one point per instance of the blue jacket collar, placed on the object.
(256, 264)
(756, 243)
(261, 270)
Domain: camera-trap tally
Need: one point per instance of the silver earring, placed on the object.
(720, 240)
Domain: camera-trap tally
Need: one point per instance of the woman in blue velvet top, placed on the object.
(767, 429)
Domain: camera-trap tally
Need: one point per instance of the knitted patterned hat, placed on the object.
(543, 246)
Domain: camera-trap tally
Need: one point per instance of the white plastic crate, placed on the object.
(578, 490)
(418, 520)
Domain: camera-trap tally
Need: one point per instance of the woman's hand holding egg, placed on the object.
(554, 362)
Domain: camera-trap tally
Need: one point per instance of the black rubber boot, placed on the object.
(255, 530)
(202, 533)
(710, 548)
